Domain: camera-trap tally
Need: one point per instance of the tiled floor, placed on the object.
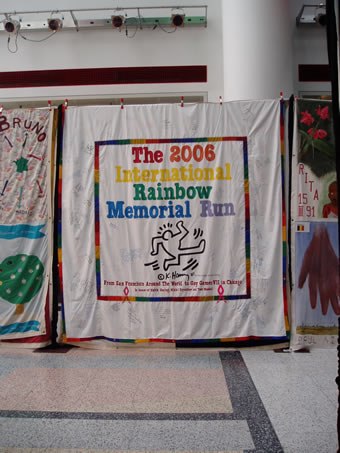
(165, 400)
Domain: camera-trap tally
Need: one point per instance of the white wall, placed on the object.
(257, 49)
(252, 49)
(262, 48)
(110, 48)
(310, 47)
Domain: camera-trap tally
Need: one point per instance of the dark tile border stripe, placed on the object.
(246, 403)
(116, 416)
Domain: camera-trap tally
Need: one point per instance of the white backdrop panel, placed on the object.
(172, 221)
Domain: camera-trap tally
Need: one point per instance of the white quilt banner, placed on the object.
(172, 221)
(24, 224)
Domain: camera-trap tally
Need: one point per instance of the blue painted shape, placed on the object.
(20, 327)
(21, 231)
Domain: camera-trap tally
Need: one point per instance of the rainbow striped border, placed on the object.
(284, 218)
(98, 144)
(222, 341)
(58, 208)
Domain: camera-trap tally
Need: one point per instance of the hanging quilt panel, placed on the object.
(172, 222)
(24, 221)
(316, 305)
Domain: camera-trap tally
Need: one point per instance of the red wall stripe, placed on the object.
(314, 73)
(103, 76)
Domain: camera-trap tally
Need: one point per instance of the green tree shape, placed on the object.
(21, 277)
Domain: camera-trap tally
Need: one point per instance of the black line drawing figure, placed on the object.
(192, 263)
(168, 240)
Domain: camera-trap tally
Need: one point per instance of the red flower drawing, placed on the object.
(320, 133)
(307, 118)
(323, 113)
(317, 133)
(315, 136)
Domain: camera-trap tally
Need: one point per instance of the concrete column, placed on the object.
(257, 49)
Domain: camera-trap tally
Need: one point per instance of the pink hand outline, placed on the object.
(321, 265)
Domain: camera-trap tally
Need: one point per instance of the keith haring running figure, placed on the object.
(171, 243)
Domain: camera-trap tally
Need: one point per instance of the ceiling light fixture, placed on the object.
(177, 20)
(55, 24)
(117, 21)
(11, 26)
(312, 14)
(167, 18)
(321, 19)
